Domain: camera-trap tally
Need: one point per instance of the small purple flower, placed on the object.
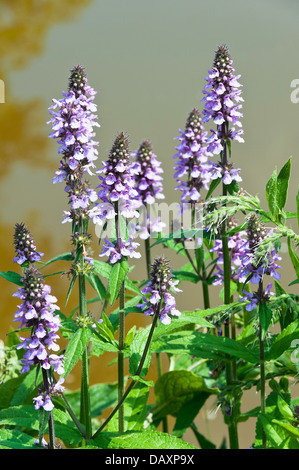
(72, 126)
(37, 312)
(118, 249)
(192, 160)
(160, 300)
(25, 246)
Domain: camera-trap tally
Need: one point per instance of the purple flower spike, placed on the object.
(72, 126)
(147, 170)
(117, 183)
(37, 312)
(147, 173)
(25, 246)
(160, 300)
(192, 159)
(237, 245)
(257, 262)
(223, 106)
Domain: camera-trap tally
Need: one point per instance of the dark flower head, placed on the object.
(25, 246)
(255, 231)
(160, 301)
(77, 80)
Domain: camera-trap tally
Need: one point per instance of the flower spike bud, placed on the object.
(25, 246)
(77, 80)
(192, 156)
(160, 301)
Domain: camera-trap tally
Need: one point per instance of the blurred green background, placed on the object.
(148, 62)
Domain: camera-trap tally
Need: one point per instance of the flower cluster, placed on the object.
(222, 105)
(37, 312)
(72, 126)
(24, 246)
(237, 247)
(192, 159)
(259, 259)
(116, 250)
(160, 301)
(118, 195)
(148, 182)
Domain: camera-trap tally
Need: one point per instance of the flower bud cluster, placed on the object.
(160, 300)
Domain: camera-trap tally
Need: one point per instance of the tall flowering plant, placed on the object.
(240, 335)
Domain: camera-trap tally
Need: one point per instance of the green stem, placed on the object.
(262, 368)
(85, 411)
(51, 419)
(121, 375)
(205, 287)
(232, 426)
(138, 372)
(121, 340)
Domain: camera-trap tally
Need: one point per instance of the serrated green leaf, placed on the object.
(283, 341)
(265, 316)
(205, 346)
(177, 388)
(136, 351)
(134, 410)
(12, 439)
(117, 276)
(75, 348)
(141, 440)
(101, 268)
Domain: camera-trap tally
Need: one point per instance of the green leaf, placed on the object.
(297, 204)
(134, 409)
(102, 396)
(75, 348)
(294, 282)
(272, 195)
(136, 350)
(291, 430)
(186, 276)
(294, 257)
(13, 439)
(101, 268)
(72, 283)
(278, 437)
(13, 277)
(284, 408)
(97, 284)
(283, 341)
(265, 316)
(63, 257)
(43, 419)
(117, 276)
(282, 184)
(205, 346)
(23, 416)
(177, 388)
(141, 440)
